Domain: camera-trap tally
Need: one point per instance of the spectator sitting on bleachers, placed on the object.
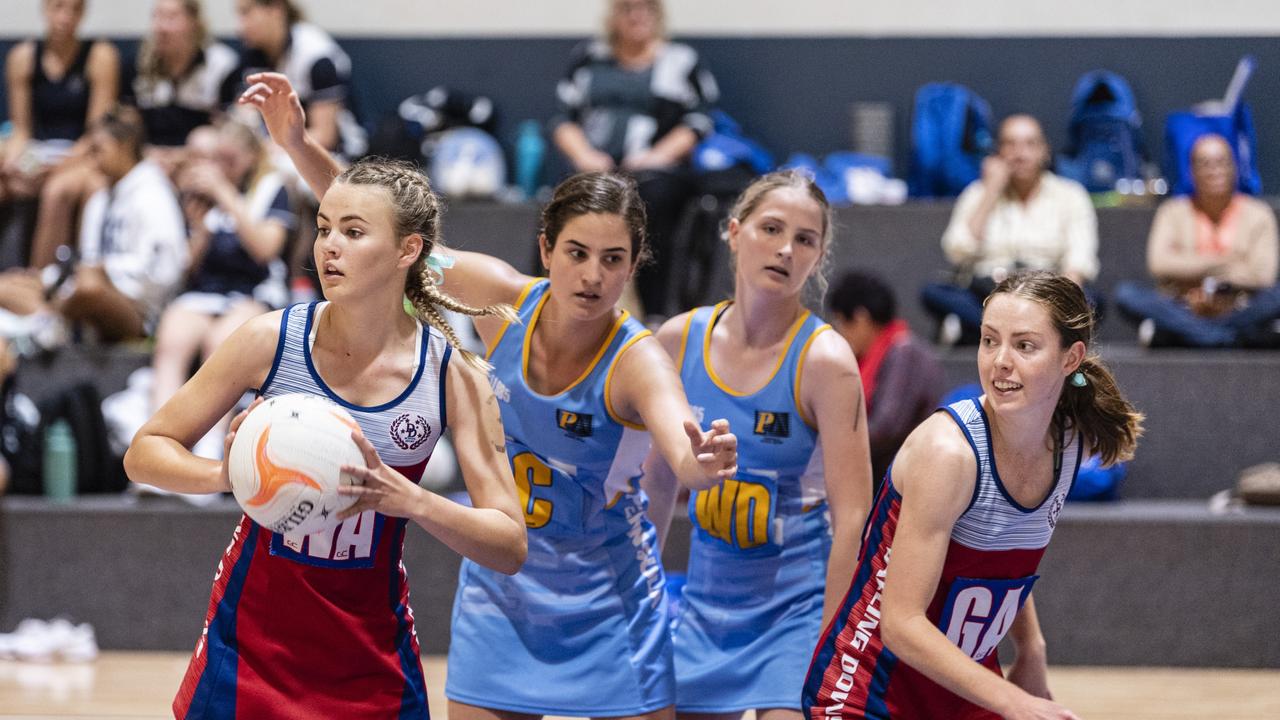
(635, 101)
(277, 38)
(183, 78)
(57, 85)
(240, 218)
(1017, 216)
(133, 248)
(902, 378)
(1213, 256)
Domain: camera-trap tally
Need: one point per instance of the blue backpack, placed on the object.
(950, 134)
(1105, 133)
(728, 147)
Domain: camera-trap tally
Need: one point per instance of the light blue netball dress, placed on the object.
(751, 610)
(582, 628)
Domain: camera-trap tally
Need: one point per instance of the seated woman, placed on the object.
(240, 217)
(183, 78)
(635, 101)
(57, 86)
(276, 37)
(133, 249)
(1213, 256)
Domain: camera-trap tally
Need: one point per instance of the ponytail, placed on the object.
(1108, 422)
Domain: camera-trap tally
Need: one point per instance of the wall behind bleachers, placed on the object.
(789, 78)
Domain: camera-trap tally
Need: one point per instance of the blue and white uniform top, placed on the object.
(752, 606)
(321, 623)
(582, 627)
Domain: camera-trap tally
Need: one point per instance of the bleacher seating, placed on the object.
(1155, 579)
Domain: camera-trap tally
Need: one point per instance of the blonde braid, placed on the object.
(427, 300)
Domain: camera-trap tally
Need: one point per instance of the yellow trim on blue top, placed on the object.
(608, 378)
(804, 352)
(528, 340)
(684, 341)
(524, 293)
(782, 356)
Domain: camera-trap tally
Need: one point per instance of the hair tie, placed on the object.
(1078, 379)
(436, 265)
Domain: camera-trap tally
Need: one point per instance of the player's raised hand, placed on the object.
(274, 97)
(382, 488)
(716, 449)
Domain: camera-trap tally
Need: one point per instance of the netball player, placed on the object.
(320, 625)
(950, 550)
(583, 388)
(763, 566)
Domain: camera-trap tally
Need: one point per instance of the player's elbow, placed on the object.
(517, 551)
(895, 632)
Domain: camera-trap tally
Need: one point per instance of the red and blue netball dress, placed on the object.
(319, 626)
(995, 548)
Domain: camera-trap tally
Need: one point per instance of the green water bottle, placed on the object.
(59, 462)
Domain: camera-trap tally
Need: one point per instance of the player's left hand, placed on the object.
(1030, 671)
(716, 449)
(383, 488)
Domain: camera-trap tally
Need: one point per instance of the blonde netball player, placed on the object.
(583, 388)
(958, 528)
(773, 547)
(320, 626)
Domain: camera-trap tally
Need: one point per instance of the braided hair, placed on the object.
(417, 211)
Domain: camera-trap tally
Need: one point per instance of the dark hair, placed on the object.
(750, 200)
(858, 289)
(124, 125)
(1107, 420)
(603, 193)
(417, 211)
(293, 13)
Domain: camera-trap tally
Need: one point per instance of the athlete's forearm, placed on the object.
(316, 164)
(166, 464)
(841, 563)
(485, 535)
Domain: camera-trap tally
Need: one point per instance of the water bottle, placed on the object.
(530, 150)
(59, 462)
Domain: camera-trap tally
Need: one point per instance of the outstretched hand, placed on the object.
(716, 450)
(382, 488)
(274, 97)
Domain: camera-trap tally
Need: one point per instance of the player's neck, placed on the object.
(761, 319)
(363, 328)
(1021, 434)
(564, 337)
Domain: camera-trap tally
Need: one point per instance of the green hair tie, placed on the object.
(437, 264)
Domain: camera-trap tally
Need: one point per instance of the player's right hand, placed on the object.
(274, 97)
(225, 483)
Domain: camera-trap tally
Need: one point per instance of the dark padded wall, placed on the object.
(794, 93)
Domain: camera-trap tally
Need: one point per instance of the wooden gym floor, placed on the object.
(141, 685)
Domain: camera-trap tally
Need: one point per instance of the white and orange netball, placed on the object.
(286, 463)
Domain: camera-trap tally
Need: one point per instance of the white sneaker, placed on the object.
(1146, 332)
(32, 641)
(951, 330)
(79, 645)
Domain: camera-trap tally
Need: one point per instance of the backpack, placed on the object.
(728, 147)
(1105, 133)
(98, 470)
(1230, 118)
(950, 135)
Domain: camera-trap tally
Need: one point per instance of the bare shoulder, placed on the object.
(829, 353)
(21, 58)
(672, 332)
(937, 460)
(103, 51)
(645, 355)
(254, 343)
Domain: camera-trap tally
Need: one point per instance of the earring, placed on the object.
(1078, 379)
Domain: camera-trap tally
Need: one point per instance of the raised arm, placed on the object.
(937, 470)
(647, 389)
(492, 531)
(831, 397)
(160, 454)
(274, 97)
